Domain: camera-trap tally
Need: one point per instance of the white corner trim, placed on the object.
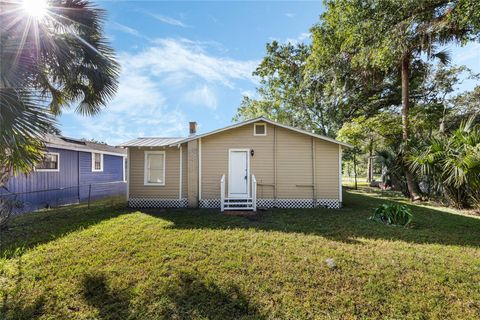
(145, 169)
(229, 168)
(340, 173)
(93, 161)
(51, 170)
(181, 174)
(200, 169)
(258, 124)
(128, 173)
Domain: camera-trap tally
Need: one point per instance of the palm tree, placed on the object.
(452, 164)
(53, 55)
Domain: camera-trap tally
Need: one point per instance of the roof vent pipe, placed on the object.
(193, 128)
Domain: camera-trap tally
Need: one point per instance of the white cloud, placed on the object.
(301, 38)
(202, 96)
(125, 29)
(167, 20)
(468, 53)
(170, 56)
(155, 85)
(248, 93)
(289, 15)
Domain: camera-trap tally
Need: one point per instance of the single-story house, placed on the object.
(255, 163)
(72, 171)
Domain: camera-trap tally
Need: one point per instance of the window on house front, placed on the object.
(50, 162)
(154, 168)
(260, 129)
(97, 162)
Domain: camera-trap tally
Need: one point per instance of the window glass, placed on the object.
(49, 162)
(97, 162)
(155, 172)
(260, 129)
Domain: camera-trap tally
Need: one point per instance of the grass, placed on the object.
(108, 262)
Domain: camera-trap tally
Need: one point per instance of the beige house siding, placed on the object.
(137, 188)
(215, 150)
(327, 169)
(294, 165)
(287, 165)
(293, 158)
(184, 171)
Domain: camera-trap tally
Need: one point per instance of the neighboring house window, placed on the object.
(50, 162)
(154, 168)
(260, 129)
(97, 162)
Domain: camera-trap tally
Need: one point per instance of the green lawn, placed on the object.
(111, 263)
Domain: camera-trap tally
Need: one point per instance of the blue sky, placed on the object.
(184, 61)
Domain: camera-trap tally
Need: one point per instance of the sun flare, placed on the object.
(35, 8)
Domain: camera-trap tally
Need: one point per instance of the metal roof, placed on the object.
(61, 142)
(151, 142)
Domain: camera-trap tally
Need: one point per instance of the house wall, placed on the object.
(41, 189)
(100, 181)
(215, 159)
(35, 189)
(170, 190)
(300, 160)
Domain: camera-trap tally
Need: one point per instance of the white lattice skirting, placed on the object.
(209, 203)
(281, 203)
(157, 203)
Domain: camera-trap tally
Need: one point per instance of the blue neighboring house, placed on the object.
(72, 171)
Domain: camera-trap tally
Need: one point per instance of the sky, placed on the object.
(193, 61)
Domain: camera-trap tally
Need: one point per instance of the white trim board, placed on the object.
(51, 145)
(200, 169)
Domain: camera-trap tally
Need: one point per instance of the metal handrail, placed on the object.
(222, 193)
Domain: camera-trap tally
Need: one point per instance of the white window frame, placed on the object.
(125, 166)
(145, 169)
(255, 125)
(51, 170)
(93, 162)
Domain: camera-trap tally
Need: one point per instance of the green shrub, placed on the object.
(393, 214)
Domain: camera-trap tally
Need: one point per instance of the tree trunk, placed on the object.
(355, 170)
(411, 183)
(370, 163)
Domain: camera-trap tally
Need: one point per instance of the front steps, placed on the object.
(238, 204)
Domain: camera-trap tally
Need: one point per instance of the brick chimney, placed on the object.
(193, 128)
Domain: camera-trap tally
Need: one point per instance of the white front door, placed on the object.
(239, 175)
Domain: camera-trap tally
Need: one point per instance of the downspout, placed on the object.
(340, 175)
(128, 174)
(314, 172)
(181, 174)
(199, 169)
(275, 165)
(78, 175)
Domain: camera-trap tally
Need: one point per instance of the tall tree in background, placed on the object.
(385, 36)
(53, 54)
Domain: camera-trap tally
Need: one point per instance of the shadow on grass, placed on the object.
(430, 225)
(12, 307)
(30, 229)
(184, 296)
